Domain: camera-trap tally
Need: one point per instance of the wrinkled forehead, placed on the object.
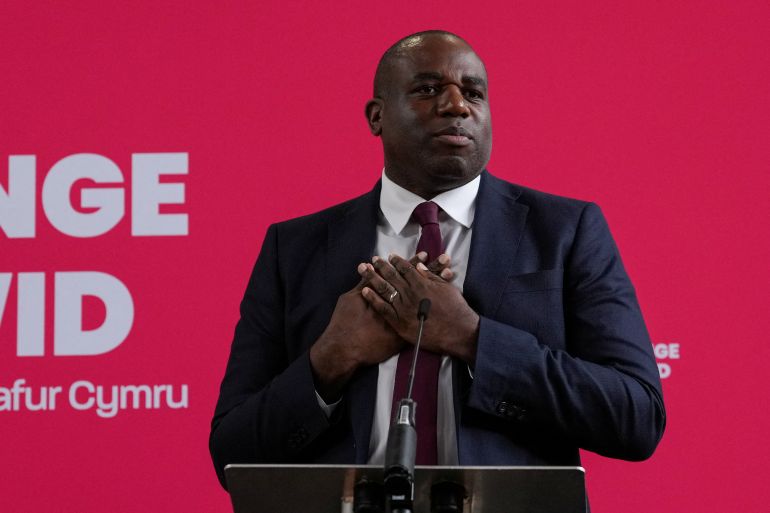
(443, 55)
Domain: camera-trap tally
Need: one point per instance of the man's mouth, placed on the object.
(454, 136)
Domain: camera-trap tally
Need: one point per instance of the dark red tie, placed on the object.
(425, 388)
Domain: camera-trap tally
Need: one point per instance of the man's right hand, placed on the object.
(356, 336)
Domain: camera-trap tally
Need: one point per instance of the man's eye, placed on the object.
(427, 89)
(473, 95)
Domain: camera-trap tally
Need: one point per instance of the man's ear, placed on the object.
(374, 115)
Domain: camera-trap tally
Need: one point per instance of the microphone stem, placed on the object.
(414, 358)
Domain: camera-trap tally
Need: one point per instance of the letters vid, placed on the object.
(99, 210)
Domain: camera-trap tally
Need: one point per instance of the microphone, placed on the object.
(401, 450)
(423, 309)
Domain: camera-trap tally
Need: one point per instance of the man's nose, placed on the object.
(453, 103)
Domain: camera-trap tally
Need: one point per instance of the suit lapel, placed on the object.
(497, 228)
(351, 240)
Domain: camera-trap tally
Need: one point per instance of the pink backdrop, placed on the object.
(658, 112)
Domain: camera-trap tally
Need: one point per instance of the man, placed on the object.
(537, 341)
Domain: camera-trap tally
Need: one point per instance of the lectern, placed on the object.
(338, 489)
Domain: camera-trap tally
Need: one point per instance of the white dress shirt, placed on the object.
(398, 233)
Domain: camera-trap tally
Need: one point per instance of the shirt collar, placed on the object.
(398, 203)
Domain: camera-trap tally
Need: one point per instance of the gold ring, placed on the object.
(392, 296)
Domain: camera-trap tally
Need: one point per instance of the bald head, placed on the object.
(403, 49)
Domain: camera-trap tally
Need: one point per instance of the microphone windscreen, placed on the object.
(423, 309)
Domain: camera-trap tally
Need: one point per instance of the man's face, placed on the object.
(434, 120)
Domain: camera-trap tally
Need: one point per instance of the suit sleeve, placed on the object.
(603, 391)
(267, 409)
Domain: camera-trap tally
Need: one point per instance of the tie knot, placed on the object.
(426, 213)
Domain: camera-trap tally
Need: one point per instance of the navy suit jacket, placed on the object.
(563, 361)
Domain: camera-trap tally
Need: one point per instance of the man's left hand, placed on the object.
(453, 325)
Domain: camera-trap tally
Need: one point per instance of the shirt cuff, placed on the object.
(328, 409)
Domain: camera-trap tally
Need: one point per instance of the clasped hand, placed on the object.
(374, 320)
(394, 289)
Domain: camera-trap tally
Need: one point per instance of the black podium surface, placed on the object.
(329, 488)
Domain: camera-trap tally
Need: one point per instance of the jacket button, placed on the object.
(511, 411)
(518, 413)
